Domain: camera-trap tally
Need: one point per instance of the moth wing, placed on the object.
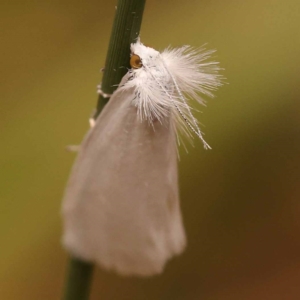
(121, 205)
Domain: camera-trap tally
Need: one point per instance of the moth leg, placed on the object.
(92, 119)
(100, 92)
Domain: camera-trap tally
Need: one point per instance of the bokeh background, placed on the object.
(240, 201)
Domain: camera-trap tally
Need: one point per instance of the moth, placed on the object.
(121, 206)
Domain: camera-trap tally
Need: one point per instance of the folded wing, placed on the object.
(121, 206)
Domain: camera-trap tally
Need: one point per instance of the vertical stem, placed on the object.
(125, 31)
(79, 280)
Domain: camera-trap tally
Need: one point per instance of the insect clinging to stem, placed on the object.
(121, 206)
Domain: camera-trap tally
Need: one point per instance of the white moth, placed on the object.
(121, 206)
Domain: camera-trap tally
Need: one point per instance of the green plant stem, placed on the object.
(125, 31)
(79, 280)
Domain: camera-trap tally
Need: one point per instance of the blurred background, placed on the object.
(240, 201)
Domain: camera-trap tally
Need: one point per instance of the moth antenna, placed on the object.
(197, 130)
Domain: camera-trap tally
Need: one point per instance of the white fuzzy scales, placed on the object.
(166, 80)
(121, 206)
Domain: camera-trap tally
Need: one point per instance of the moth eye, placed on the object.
(135, 61)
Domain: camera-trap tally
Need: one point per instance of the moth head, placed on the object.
(135, 61)
(142, 56)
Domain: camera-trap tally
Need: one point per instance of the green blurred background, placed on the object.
(240, 201)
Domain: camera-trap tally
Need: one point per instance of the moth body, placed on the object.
(121, 206)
